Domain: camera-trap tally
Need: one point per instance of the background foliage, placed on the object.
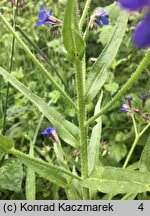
(23, 118)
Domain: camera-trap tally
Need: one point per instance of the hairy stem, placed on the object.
(10, 69)
(81, 120)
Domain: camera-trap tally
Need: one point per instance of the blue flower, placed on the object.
(128, 97)
(51, 132)
(141, 35)
(48, 131)
(133, 4)
(125, 108)
(47, 18)
(44, 16)
(102, 17)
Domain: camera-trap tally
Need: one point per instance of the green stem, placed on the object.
(134, 124)
(21, 155)
(134, 145)
(127, 196)
(10, 69)
(86, 34)
(143, 131)
(81, 120)
(7, 88)
(35, 60)
(126, 86)
(30, 188)
(130, 152)
(84, 14)
(30, 175)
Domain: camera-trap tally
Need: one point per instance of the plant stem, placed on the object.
(30, 174)
(126, 86)
(134, 145)
(143, 131)
(130, 152)
(134, 124)
(10, 69)
(127, 196)
(35, 60)
(81, 120)
(83, 17)
(7, 88)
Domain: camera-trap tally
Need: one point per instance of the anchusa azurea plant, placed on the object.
(74, 162)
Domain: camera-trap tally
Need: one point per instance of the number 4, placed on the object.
(141, 207)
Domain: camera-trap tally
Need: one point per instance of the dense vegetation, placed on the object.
(22, 121)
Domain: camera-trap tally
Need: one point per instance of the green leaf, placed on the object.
(66, 130)
(144, 164)
(48, 171)
(73, 42)
(11, 175)
(30, 187)
(5, 144)
(118, 180)
(100, 70)
(94, 145)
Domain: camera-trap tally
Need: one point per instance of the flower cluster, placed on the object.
(100, 17)
(46, 17)
(141, 35)
(128, 107)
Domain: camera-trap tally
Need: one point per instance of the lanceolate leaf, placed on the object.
(144, 164)
(100, 70)
(94, 145)
(73, 42)
(66, 130)
(118, 180)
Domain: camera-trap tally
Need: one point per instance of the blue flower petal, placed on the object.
(48, 131)
(47, 23)
(50, 12)
(43, 8)
(99, 22)
(133, 4)
(101, 12)
(141, 36)
(42, 15)
(128, 97)
(125, 108)
(40, 22)
(104, 20)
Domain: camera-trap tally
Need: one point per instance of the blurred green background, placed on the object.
(23, 117)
